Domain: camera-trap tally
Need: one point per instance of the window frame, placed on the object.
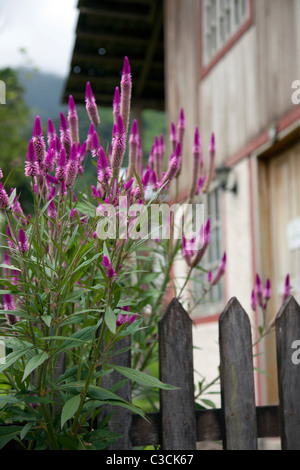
(205, 68)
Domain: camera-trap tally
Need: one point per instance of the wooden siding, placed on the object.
(248, 89)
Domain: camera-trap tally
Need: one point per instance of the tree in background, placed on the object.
(14, 131)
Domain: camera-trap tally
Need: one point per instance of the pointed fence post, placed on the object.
(178, 422)
(237, 379)
(121, 418)
(287, 326)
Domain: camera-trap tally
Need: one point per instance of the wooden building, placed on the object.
(232, 66)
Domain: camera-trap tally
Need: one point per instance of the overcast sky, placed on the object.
(45, 28)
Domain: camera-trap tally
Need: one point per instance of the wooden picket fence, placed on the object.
(239, 422)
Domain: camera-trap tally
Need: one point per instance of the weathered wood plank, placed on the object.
(287, 326)
(209, 426)
(176, 368)
(120, 420)
(237, 379)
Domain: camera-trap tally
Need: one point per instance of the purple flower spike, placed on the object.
(91, 106)
(253, 301)
(173, 138)
(146, 178)
(267, 290)
(174, 165)
(31, 166)
(90, 137)
(8, 305)
(65, 134)
(104, 171)
(119, 146)
(38, 140)
(220, 271)
(23, 244)
(116, 104)
(126, 88)
(95, 146)
(60, 173)
(287, 288)
(73, 120)
(259, 291)
(111, 274)
(4, 199)
(106, 262)
(212, 152)
(72, 167)
(51, 134)
(196, 168)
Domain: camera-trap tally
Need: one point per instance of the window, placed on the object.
(212, 302)
(222, 20)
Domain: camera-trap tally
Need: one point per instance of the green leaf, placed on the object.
(110, 320)
(142, 378)
(7, 433)
(25, 430)
(47, 319)
(34, 362)
(69, 409)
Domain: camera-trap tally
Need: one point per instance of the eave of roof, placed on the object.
(109, 30)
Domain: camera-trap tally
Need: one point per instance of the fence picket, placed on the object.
(177, 407)
(237, 378)
(287, 332)
(121, 418)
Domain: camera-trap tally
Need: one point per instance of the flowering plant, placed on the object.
(79, 274)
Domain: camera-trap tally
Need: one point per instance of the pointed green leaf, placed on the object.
(69, 409)
(142, 378)
(34, 362)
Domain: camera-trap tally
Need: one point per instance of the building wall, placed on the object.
(181, 70)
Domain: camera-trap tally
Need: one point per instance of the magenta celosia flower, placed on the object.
(38, 140)
(90, 137)
(126, 88)
(267, 290)
(196, 167)
(104, 172)
(1, 174)
(146, 178)
(220, 271)
(259, 291)
(133, 150)
(61, 168)
(8, 305)
(95, 145)
(72, 167)
(119, 146)
(253, 301)
(126, 318)
(73, 120)
(65, 134)
(22, 241)
(116, 104)
(173, 137)
(51, 133)
(181, 127)
(287, 288)
(31, 166)
(174, 165)
(91, 106)
(110, 272)
(4, 199)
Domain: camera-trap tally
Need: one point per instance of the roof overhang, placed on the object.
(109, 30)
